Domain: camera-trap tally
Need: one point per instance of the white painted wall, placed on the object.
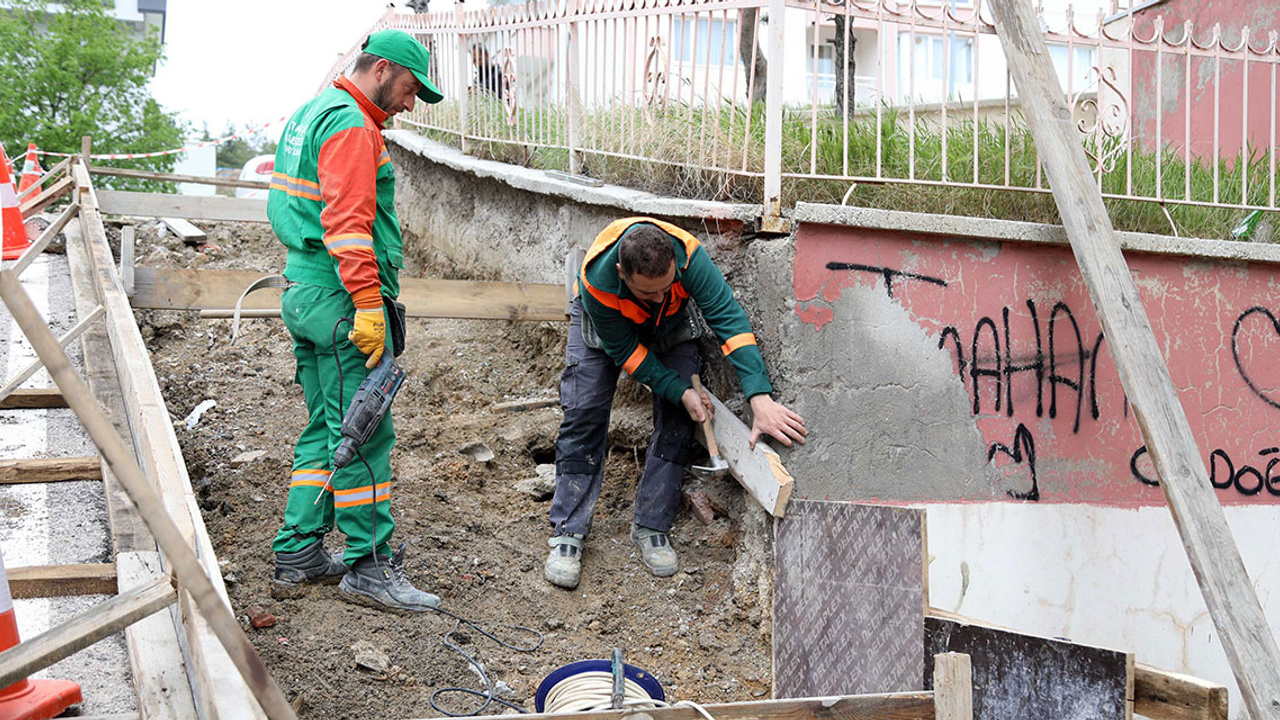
(1104, 576)
(197, 161)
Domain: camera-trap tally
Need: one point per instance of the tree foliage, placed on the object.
(235, 153)
(70, 70)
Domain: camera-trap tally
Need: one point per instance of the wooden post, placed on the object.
(126, 258)
(952, 686)
(773, 111)
(1231, 599)
(86, 148)
(186, 565)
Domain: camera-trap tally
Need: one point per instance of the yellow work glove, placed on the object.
(369, 334)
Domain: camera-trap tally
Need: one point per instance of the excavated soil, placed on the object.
(474, 538)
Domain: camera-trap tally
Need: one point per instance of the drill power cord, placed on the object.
(458, 620)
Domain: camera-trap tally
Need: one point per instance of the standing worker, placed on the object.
(332, 205)
(635, 290)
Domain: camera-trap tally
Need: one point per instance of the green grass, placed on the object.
(677, 139)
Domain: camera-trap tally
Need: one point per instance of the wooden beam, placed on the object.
(188, 233)
(953, 686)
(1233, 604)
(128, 532)
(155, 658)
(83, 630)
(192, 207)
(56, 469)
(759, 470)
(1163, 695)
(61, 166)
(889, 706)
(161, 288)
(45, 238)
(171, 177)
(47, 198)
(33, 398)
(42, 581)
(65, 340)
(228, 678)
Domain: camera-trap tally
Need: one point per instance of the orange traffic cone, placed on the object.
(29, 699)
(14, 232)
(31, 170)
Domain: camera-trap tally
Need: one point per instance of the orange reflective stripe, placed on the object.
(308, 483)
(296, 187)
(637, 356)
(309, 477)
(737, 341)
(361, 495)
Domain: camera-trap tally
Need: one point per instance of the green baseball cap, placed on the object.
(399, 47)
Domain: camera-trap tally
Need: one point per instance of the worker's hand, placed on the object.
(369, 334)
(699, 408)
(775, 419)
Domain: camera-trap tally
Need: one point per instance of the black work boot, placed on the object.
(309, 566)
(385, 586)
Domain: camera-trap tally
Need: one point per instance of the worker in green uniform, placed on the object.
(332, 205)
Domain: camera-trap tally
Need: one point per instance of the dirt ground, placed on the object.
(473, 538)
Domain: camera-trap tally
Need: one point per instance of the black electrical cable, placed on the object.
(489, 697)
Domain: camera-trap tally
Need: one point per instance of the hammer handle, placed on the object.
(712, 446)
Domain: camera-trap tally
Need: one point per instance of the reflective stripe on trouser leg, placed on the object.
(586, 396)
(658, 492)
(310, 313)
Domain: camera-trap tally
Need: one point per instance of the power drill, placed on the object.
(370, 403)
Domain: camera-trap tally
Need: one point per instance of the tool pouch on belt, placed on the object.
(395, 324)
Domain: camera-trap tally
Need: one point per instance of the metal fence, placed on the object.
(744, 95)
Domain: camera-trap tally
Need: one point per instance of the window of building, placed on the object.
(926, 56)
(1081, 70)
(714, 41)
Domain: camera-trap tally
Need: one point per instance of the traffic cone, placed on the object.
(29, 699)
(31, 170)
(15, 240)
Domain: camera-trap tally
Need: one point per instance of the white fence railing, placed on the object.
(744, 95)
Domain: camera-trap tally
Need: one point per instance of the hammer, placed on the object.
(718, 465)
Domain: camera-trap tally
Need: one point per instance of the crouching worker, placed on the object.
(332, 205)
(636, 288)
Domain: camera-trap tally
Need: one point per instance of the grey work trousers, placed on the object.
(587, 387)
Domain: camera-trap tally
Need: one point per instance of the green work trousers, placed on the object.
(358, 497)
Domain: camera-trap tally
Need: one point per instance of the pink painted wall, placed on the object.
(1241, 125)
(1048, 401)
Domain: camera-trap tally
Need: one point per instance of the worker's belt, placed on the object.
(688, 327)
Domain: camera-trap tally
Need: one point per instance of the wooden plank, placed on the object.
(42, 581)
(1163, 695)
(759, 470)
(887, 706)
(65, 340)
(184, 289)
(128, 532)
(46, 198)
(83, 630)
(33, 398)
(953, 678)
(46, 237)
(1230, 597)
(53, 171)
(1025, 676)
(519, 405)
(188, 233)
(155, 658)
(56, 469)
(192, 207)
(847, 607)
(171, 177)
(220, 689)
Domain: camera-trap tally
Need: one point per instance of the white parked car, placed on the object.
(258, 168)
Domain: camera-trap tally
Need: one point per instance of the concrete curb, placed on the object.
(538, 181)
(985, 229)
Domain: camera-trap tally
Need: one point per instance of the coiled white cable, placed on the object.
(589, 691)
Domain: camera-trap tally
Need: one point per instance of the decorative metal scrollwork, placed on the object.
(510, 87)
(655, 78)
(1103, 119)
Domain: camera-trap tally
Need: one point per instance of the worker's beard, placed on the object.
(382, 94)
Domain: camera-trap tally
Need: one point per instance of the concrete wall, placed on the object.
(956, 364)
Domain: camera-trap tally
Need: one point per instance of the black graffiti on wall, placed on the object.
(1022, 452)
(889, 274)
(1224, 473)
(1235, 350)
(1064, 363)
